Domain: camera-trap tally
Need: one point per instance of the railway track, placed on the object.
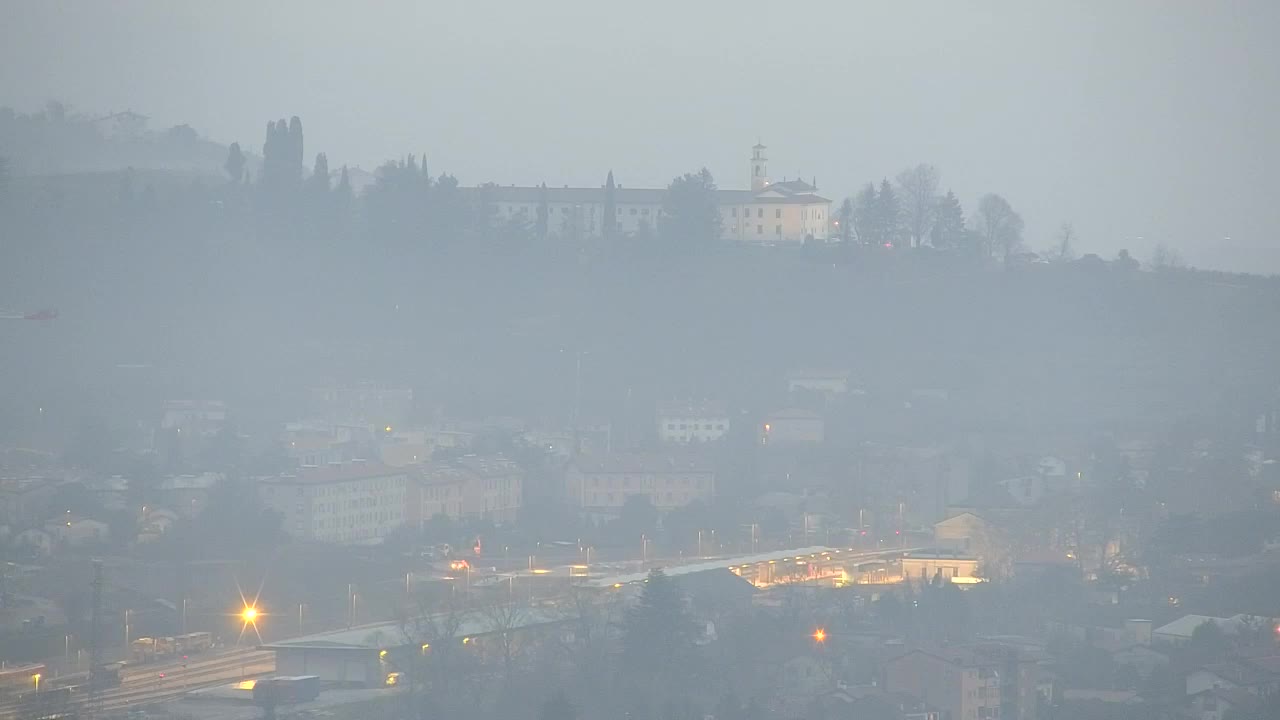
(161, 682)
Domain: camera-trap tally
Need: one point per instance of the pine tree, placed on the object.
(320, 175)
(864, 216)
(295, 150)
(610, 220)
(690, 211)
(235, 163)
(948, 232)
(888, 215)
(844, 219)
(658, 632)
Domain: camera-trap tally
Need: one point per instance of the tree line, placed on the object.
(912, 213)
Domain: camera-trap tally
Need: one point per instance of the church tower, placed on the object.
(759, 169)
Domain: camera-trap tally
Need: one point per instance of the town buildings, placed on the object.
(690, 422)
(787, 212)
(601, 484)
(343, 503)
(968, 682)
(792, 427)
(473, 487)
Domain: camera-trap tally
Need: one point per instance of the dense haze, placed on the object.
(651, 361)
(1142, 122)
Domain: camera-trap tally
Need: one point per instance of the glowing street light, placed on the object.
(820, 636)
(249, 614)
(36, 680)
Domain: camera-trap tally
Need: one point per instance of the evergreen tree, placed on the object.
(844, 219)
(659, 634)
(864, 216)
(609, 226)
(235, 163)
(320, 176)
(888, 215)
(948, 232)
(343, 188)
(690, 211)
(295, 150)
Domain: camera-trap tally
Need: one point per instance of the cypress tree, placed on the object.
(610, 224)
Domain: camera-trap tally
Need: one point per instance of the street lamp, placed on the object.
(820, 636)
(249, 614)
(36, 679)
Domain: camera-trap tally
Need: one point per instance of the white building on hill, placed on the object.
(788, 212)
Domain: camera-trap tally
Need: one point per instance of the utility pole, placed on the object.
(94, 704)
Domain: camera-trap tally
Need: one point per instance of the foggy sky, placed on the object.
(1134, 119)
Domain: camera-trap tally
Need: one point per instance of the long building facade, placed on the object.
(789, 212)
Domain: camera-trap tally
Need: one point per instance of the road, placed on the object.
(157, 682)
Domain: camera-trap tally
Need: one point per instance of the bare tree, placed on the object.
(1063, 249)
(919, 189)
(504, 617)
(999, 226)
(430, 631)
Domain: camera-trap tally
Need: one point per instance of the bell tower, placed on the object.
(759, 168)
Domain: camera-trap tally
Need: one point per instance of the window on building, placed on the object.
(777, 212)
(777, 230)
(734, 212)
(759, 212)
(633, 211)
(759, 229)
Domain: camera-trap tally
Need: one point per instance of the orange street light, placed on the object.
(249, 614)
(820, 635)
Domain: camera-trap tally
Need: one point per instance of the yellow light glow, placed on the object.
(249, 614)
(387, 428)
(382, 654)
(540, 571)
(426, 647)
(617, 585)
(820, 635)
(466, 641)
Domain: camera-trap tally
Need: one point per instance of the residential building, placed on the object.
(787, 212)
(601, 484)
(972, 534)
(197, 418)
(1179, 631)
(494, 492)
(829, 383)
(343, 503)
(791, 428)
(1254, 677)
(968, 682)
(23, 499)
(489, 488)
(927, 566)
(366, 401)
(77, 531)
(187, 494)
(688, 422)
